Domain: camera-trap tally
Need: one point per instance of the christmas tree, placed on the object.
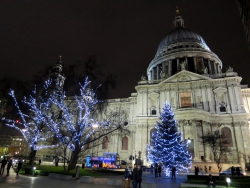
(167, 146)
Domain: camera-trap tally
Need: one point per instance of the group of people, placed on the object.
(157, 170)
(198, 170)
(135, 176)
(9, 164)
(235, 171)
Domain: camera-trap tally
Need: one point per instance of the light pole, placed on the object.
(34, 170)
(228, 182)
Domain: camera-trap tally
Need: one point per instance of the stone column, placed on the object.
(231, 97)
(195, 66)
(209, 67)
(215, 68)
(178, 65)
(158, 72)
(196, 142)
(186, 60)
(153, 74)
(170, 68)
(202, 64)
(207, 148)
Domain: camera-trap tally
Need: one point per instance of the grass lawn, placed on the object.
(44, 170)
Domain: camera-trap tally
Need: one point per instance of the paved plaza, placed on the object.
(21, 181)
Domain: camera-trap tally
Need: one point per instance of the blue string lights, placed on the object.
(31, 125)
(167, 146)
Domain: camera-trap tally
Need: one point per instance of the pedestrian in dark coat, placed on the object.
(173, 170)
(135, 176)
(196, 170)
(9, 165)
(232, 171)
(4, 162)
(156, 169)
(19, 166)
(56, 161)
(159, 170)
(128, 176)
(139, 175)
(210, 181)
(237, 171)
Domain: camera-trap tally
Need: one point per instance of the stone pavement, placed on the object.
(21, 181)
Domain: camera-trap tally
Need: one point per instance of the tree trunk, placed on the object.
(74, 158)
(32, 156)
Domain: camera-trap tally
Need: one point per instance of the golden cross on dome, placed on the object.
(177, 10)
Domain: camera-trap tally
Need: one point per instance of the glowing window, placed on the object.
(185, 99)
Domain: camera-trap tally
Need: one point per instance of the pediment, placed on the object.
(153, 95)
(220, 90)
(185, 76)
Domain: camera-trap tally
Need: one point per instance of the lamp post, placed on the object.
(34, 170)
(228, 182)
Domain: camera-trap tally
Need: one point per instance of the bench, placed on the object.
(59, 176)
(114, 182)
(86, 179)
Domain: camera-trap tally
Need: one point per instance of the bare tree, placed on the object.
(218, 144)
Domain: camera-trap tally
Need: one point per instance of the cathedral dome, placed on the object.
(181, 34)
(182, 49)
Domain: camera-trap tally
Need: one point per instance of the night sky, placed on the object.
(122, 34)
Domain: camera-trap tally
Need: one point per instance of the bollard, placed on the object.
(77, 171)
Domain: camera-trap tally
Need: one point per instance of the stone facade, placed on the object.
(187, 74)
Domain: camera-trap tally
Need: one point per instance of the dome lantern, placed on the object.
(178, 21)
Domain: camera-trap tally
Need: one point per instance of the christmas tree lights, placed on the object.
(167, 146)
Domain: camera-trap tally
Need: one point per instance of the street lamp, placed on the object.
(228, 182)
(34, 170)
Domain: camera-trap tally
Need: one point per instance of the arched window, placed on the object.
(125, 143)
(226, 132)
(105, 142)
(152, 132)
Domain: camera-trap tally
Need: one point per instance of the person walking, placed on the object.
(139, 175)
(4, 162)
(209, 169)
(159, 170)
(232, 171)
(205, 169)
(56, 161)
(19, 166)
(128, 175)
(196, 170)
(9, 165)
(39, 161)
(135, 176)
(210, 181)
(156, 169)
(173, 171)
(237, 171)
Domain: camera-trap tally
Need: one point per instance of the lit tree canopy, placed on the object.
(167, 146)
(30, 124)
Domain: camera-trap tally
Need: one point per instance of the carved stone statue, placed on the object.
(229, 69)
(143, 78)
(162, 74)
(183, 64)
(205, 71)
(139, 156)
